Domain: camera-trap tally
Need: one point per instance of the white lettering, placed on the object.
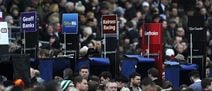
(109, 21)
(195, 28)
(74, 23)
(151, 33)
(25, 19)
(109, 28)
(30, 25)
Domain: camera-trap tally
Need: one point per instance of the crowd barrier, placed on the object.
(178, 73)
(50, 67)
(15, 66)
(136, 63)
(95, 64)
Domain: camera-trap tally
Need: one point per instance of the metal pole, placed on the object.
(117, 52)
(105, 45)
(191, 47)
(24, 42)
(148, 45)
(10, 33)
(65, 43)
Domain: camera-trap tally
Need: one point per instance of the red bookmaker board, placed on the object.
(152, 43)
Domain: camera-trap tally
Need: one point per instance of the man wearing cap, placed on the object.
(169, 54)
(66, 84)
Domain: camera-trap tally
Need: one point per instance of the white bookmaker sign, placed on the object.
(4, 40)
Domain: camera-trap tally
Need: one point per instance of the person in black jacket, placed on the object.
(153, 74)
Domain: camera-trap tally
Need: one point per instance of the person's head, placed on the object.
(194, 75)
(153, 73)
(66, 84)
(84, 72)
(92, 22)
(155, 10)
(111, 86)
(81, 83)
(146, 83)
(52, 39)
(19, 83)
(206, 84)
(190, 12)
(98, 44)
(43, 53)
(164, 24)
(92, 85)
(174, 12)
(156, 18)
(69, 6)
(124, 89)
(145, 6)
(203, 11)
(128, 4)
(87, 31)
(105, 77)
(135, 79)
(38, 88)
(2, 88)
(57, 26)
(91, 45)
(9, 19)
(94, 78)
(15, 12)
(121, 81)
(208, 62)
(50, 29)
(67, 74)
(54, 7)
(62, 3)
(184, 43)
(169, 54)
(52, 86)
(167, 85)
(177, 40)
(172, 23)
(199, 4)
(180, 31)
(126, 41)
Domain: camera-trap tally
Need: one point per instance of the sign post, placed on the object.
(29, 21)
(109, 24)
(70, 23)
(197, 44)
(110, 32)
(29, 28)
(70, 31)
(109, 28)
(152, 43)
(4, 40)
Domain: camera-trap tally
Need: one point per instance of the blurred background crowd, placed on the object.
(173, 14)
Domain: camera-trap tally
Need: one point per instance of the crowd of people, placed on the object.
(131, 14)
(84, 81)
